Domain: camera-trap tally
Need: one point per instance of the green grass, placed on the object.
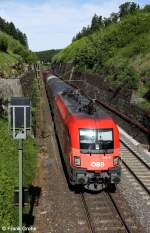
(9, 173)
(145, 104)
(142, 90)
(15, 54)
(6, 62)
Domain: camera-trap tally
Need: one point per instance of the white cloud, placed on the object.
(52, 24)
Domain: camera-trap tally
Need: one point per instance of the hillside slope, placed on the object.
(13, 56)
(119, 52)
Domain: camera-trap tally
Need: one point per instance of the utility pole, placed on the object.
(20, 149)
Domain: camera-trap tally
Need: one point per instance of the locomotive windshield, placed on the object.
(96, 141)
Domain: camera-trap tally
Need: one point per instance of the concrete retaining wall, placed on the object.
(9, 88)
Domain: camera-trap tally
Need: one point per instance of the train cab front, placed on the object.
(95, 159)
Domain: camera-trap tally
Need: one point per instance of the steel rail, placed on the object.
(140, 126)
(135, 154)
(119, 213)
(136, 177)
(130, 170)
(89, 220)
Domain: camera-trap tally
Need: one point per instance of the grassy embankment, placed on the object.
(9, 164)
(13, 59)
(120, 52)
(9, 173)
(13, 53)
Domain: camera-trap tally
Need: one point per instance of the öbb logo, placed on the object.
(97, 164)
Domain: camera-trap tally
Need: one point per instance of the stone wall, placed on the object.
(26, 83)
(9, 88)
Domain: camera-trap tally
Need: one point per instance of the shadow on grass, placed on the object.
(34, 193)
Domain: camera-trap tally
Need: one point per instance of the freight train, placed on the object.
(89, 139)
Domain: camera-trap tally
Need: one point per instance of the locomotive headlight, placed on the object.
(77, 161)
(117, 161)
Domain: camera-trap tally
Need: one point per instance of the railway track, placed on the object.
(104, 215)
(136, 165)
(136, 162)
(106, 212)
(127, 119)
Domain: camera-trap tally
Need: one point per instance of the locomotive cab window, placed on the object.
(96, 141)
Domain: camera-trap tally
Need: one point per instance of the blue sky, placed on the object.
(51, 24)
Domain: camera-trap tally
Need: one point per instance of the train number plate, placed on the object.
(97, 164)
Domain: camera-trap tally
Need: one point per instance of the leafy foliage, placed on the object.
(118, 51)
(128, 8)
(10, 29)
(12, 52)
(146, 8)
(3, 44)
(99, 23)
(120, 74)
(27, 55)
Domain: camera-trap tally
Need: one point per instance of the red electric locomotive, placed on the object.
(89, 138)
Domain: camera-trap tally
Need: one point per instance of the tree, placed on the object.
(3, 44)
(146, 8)
(134, 7)
(95, 23)
(114, 17)
(100, 21)
(2, 24)
(25, 40)
(107, 21)
(12, 30)
(84, 30)
(127, 8)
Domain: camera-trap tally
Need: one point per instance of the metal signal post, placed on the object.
(20, 149)
(19, 116)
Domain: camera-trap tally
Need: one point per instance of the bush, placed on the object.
(3, 44)
(27, 55)
(121, 73)
(119, 51)
(147, 8)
